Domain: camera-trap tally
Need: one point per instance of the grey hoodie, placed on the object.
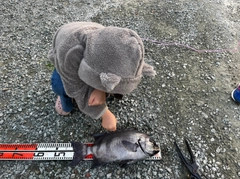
(90, 56)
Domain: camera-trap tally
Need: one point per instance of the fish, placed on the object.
(123, 146)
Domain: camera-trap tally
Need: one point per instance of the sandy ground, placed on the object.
(197, 62)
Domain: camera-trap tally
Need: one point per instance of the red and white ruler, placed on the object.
(45, 151)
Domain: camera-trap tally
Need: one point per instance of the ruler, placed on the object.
(46, 151)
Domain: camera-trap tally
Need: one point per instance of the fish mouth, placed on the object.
(156, 149)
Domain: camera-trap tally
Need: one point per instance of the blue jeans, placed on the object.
(57, 87)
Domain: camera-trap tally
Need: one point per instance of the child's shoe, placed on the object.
(59, 109)
(236, 94)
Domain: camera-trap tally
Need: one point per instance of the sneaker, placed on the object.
(236, 94)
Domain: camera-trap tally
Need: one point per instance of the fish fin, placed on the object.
(98, 137)
(125, 163)
(78, 153)
(96, 163)
(130, 146)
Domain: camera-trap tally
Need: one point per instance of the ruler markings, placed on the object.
(45, 151)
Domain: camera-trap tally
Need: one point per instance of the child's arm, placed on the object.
(97, 97)
(109, 121)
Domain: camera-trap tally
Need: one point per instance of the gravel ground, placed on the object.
(190, 96)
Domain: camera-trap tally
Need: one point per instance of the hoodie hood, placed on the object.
(114, 60)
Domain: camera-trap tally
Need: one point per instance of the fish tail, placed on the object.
(79, 152)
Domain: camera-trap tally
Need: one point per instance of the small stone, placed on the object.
(109, 175)
(205, 115)
(218, 149)
(213, 130)
(88, 175)
(168, 170)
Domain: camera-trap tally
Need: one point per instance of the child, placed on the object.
(92, 61)
(236, 94)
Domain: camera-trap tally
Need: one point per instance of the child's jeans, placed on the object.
(57, 87)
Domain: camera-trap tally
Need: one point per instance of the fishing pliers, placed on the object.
(191, 166)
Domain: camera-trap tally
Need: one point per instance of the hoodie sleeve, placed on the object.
(76, 88)
(66, 55)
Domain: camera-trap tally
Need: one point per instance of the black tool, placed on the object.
(191, 166)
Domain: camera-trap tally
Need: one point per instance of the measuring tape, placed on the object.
(45, 151)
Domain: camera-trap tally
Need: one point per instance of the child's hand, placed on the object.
(97, 97)
(109, 121)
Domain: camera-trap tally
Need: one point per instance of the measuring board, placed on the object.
(46, 151)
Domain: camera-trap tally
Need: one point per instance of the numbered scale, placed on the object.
(45, 151)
